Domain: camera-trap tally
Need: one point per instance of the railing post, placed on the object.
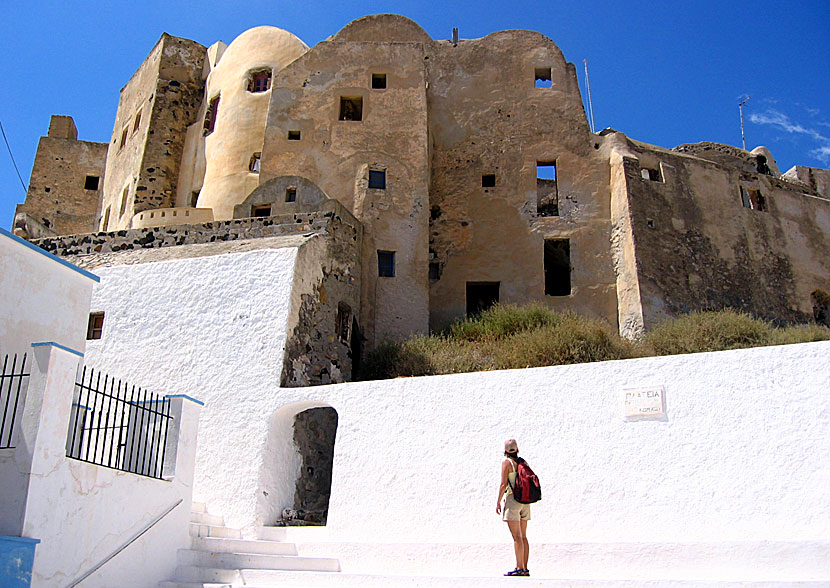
(180, 445)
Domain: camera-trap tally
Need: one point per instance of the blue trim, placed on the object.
(63, 262)
(19, 539)
(190, 398)
(59, 346)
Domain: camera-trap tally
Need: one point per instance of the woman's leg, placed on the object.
(518, 542)
(526, 550)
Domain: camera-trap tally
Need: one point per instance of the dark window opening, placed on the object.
(260, 81)
(91, 183)
(261, 210)
(210, 115)
(291, 194)
(481, 296)
(378, 81)
(294, 135)
(547, 191)
(377, 179)
(137, 122)
(124, 134)
(194, 198)
(315, 431)
(761, 165)
(254, 164)
(106, 223)
(650, 174)
(543, 77)
(386, 264)
(488, 181)
(343, 322)
(650, 223)
(351, 108)
(434, 271)
(557, 267)
(95, 327)
(124, 201)
(753, 199)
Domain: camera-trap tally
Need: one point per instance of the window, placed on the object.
(543, 77)
(210, 115)
(488, 181)
(650, 174)
(91, 183)
(343, 322)
(386, 264)
(481, 296)
(291, 194)
(434, 271)
(351, 108)
(260, 81)
(106, 222)
(95, 327)
(137, 122)
(547, 191)
(378, 81)
(124, 137)
(377, 179)
(753, 199)
(557, 267)
(261, 210)
(253, 165)
(294, 135)
(124, 200)
(194, 198)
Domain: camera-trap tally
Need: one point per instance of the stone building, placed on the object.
(466, 173)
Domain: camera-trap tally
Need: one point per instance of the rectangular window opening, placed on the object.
(753, 199)
(291, 194)
(557, 267)
(434, 271)
(261, 210)
(377, 179)
(543, 77)
(651, 174)
(260, 81)
(210, 115)
(378, 81)
(488, 181)
(547, 191)
(106, 222)
(386, 264)
(343, 322)
(137, 122)
(95, 327)
(481, 296)
(91, 182)
(294, 135)
(124, 134)
(351, 108)
(124, 201)
(194, 198)
(254, 164)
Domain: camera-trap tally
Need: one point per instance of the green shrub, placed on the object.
(707, 331)
(800, 334)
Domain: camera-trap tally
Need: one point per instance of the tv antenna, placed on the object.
(741, 109)
(590, 102)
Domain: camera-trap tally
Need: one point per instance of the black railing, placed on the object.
(118, 426)
(13, 382)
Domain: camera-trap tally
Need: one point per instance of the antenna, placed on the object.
(590, 102)
(741, 109)
(455, 36)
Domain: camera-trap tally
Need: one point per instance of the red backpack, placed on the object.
(526, 488)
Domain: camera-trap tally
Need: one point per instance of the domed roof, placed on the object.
(263, 45)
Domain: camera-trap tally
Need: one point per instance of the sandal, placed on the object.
(516, 572)
(524, 572)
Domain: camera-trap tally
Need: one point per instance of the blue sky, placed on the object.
(662, 72)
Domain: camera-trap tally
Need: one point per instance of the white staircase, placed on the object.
(220, 558)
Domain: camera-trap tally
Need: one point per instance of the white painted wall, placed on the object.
(42, 298)
(212, 328)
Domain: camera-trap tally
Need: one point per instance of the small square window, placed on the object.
(294, 135)
(650, 174)
(351, 108)
(378, 81)
(95, 327)
(488, 181)
(753, 199)
(255, 162)
(291, 194)
(377, 179)
(543, 77)
(91, 183)
(261, 210)
(386, 264)
(260, 81)
(434, 271)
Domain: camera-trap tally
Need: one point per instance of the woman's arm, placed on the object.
(505, 469)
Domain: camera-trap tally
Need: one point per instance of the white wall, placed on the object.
(212, 328)
(42, 298)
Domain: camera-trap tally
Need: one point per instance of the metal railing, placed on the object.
(117, 426)
(13, 382)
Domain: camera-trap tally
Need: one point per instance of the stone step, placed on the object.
(198, 507)
(198, 530)
(218, 544)
(205, 518)
(251, 561)
(196, 574)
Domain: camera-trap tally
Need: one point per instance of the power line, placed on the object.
(14, 163)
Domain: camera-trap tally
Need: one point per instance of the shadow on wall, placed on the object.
(281, 195)
(295, 476)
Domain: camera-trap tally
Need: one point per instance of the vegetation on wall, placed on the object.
(508, 337)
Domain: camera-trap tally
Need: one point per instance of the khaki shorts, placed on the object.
(514, 511)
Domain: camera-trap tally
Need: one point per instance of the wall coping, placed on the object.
(13, 539)
(59, 346)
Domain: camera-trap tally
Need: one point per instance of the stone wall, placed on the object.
(60, 198)
(315, 430)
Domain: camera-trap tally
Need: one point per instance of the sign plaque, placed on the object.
(644, 402)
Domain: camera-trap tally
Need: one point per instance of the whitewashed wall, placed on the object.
(42, 298)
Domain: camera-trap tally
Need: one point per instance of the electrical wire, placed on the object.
(14, 163)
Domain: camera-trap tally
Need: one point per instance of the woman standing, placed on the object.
(515, 514)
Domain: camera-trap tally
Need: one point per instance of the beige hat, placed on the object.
(510, 446)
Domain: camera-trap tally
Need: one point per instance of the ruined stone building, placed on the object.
(424, 180)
